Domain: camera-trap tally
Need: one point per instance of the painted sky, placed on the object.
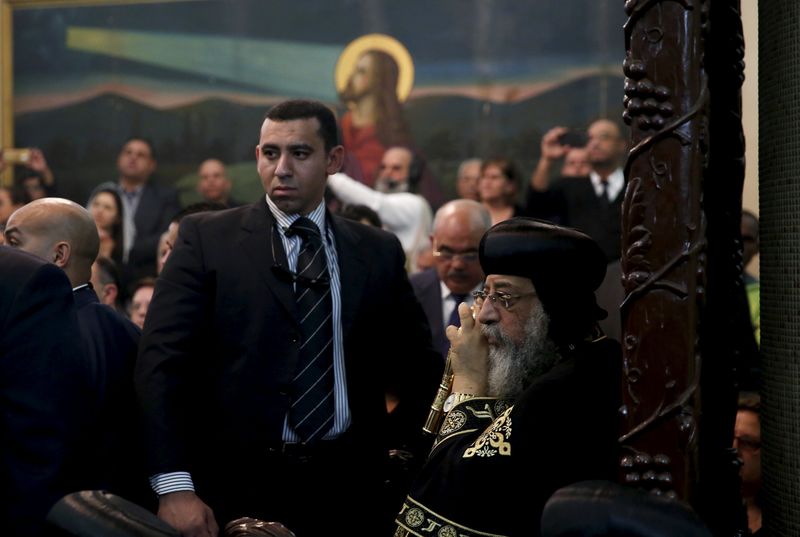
(174, 53)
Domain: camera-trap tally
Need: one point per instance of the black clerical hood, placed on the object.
(565, 266)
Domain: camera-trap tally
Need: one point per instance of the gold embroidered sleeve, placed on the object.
(495, 440)
(474, 414)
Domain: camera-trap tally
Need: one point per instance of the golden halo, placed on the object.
(346, 63)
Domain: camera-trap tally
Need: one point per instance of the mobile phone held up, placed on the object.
(15, 156)
(574, 138)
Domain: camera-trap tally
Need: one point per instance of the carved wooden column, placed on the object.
(680, 230)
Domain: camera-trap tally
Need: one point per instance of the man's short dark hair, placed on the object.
(199, 207)
(361, 212)
(304, 109)
(147, 141)
(108, 272)
(147, 281)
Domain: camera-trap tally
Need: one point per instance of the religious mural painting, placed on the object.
(452, 79)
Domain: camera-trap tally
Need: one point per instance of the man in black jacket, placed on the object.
(64, 233)
(42, 387)
(219, 371)
(535, 389)
(147, 209)
(593, 203)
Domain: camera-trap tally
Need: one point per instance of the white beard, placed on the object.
(512, 366)
(390, 186)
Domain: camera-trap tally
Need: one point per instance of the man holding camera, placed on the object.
(590, 203)
(401, 209)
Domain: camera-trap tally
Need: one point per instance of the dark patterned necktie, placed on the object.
(604, 191)
(312, 410)
(455, 320)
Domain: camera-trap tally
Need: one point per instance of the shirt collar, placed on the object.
(135, 191)
(446, 293)
(615, 182)
(616, 178)
(285, 220)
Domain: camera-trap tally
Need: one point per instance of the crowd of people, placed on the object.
(277, 359)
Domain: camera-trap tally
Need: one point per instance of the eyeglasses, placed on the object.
(505, 299)
(449, 255)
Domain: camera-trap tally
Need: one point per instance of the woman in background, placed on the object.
(105, 207)
(498, 187)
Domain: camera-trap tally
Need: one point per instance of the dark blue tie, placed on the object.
(604, 192)
(455, 320)
(312, 410)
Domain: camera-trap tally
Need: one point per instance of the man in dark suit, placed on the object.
(42, 403)
(593, 203)
(219, 373)
(64, 233)
(147, 209)
(457, 230)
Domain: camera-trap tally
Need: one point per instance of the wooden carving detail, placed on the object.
(664, 242)
(681, 263)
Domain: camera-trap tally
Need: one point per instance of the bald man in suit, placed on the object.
(64, 233)
(42, 390)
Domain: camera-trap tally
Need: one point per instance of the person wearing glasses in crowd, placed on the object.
(747, 442)
(535, 388)
(457, 229)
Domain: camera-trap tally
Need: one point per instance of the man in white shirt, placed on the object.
(404, 213)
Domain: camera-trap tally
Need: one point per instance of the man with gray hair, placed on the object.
(535, 388)
(457, 231)
(402, 211)
(469, 171)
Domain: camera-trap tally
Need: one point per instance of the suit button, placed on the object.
(283, 389)
(294, 338)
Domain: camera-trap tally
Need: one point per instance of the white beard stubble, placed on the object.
(513, 366)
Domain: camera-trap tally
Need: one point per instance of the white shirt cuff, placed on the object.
(171, 482)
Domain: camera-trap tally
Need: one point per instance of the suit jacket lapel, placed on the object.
(433, 295)
(256, 242)
(143, 217)
(352, 267)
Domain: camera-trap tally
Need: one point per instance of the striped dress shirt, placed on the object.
(180, 481)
